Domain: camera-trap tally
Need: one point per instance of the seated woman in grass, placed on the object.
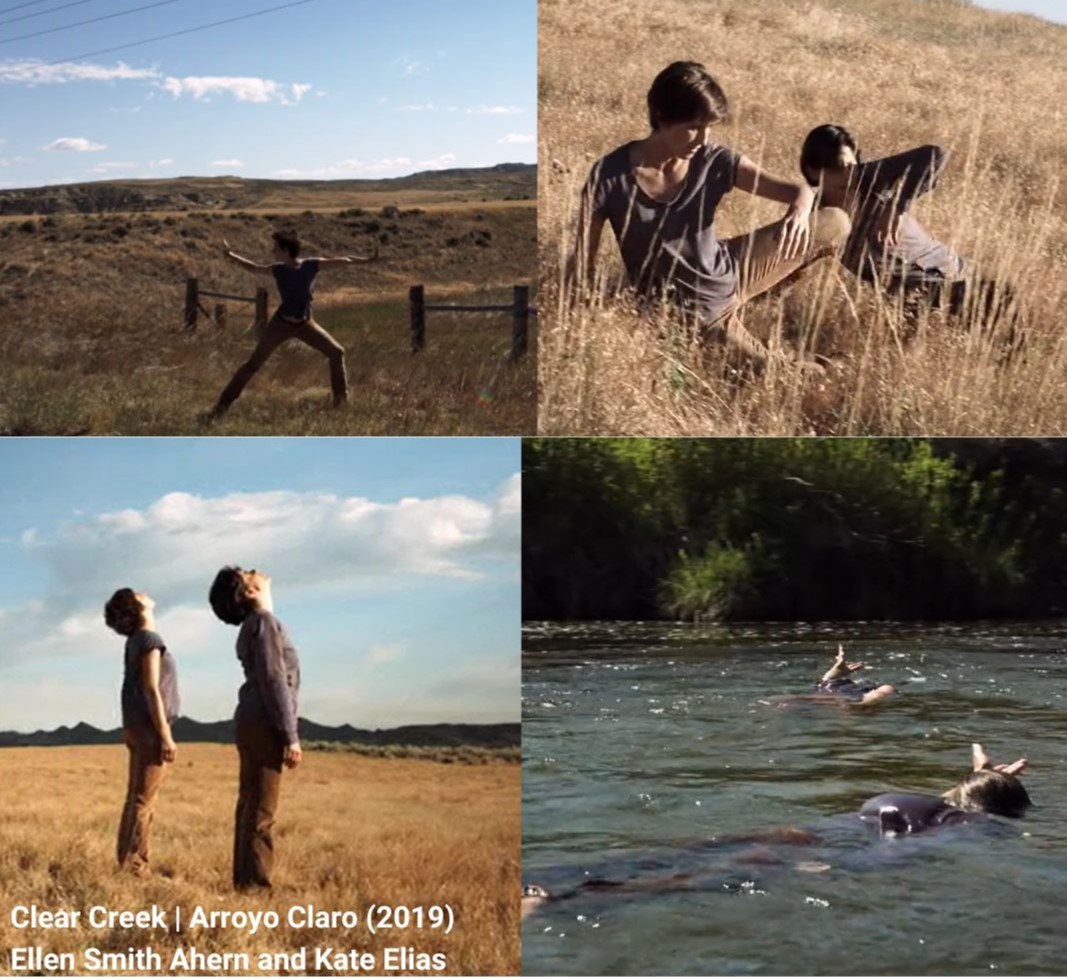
(888, 246)
(292, 320)
(660, 194)
(729, 863)
(149, 704)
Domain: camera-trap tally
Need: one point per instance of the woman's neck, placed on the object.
(653, 152)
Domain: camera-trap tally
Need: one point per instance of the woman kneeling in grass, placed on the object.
(888, 247)
(292, 320)
(660, 194)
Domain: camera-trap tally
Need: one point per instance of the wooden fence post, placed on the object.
(520, 325)
(417, 303)
(220, 315)
(192, 301)
(262, 297)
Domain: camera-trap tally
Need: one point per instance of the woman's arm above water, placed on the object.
(796, 236)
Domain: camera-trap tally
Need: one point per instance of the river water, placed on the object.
(643, 742)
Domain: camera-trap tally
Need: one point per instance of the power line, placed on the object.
(41, 13)
(19, 6)
(190, 30)
(92, 20)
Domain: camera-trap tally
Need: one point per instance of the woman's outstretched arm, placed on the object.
(245, 263)
(325, 263)
(796, 236)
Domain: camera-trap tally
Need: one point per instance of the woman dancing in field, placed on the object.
(266, 716)
(660, 194)
(888, 247)
(149, 704)
(987, 790)
(292, 320)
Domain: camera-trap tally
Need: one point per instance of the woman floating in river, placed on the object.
(987, 791)
(837, 686)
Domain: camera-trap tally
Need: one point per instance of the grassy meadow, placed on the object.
(351, 831)
(95, 343)
(898, 74)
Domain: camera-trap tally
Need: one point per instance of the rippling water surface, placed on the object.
(643, 741)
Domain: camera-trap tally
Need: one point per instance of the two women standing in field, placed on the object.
(266, 717)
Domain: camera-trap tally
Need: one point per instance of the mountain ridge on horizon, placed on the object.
(188, 730)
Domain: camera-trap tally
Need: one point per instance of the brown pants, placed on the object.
(261, 752)
(277, 332)
(761, 267)
(146, 773)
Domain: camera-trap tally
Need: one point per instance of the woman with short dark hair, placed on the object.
(660, 194)
(293, 318)
(265, 719)
(888, 247)
(150, 703)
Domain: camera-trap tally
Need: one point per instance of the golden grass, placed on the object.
(351, 831)
(94, 342)
(898, 73)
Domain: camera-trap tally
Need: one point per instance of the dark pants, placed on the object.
(277, 332)
(146, 774)
(261, 751)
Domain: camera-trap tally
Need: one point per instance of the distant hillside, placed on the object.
(506, 181)
(221, 732)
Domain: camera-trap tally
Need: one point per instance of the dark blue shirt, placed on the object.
(295, 286)
(272, 675)
(135, 710)
(900, 812)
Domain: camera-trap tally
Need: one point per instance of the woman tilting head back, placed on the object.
(266, 715)
(660, 194)
(149, 704)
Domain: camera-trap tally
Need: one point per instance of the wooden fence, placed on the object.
(520, 310)
(193, 305)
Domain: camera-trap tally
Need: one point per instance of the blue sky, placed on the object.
(330, 89)
(1054, 10)
(395, 566)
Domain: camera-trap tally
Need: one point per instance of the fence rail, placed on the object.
(519, 307)
(193, 305)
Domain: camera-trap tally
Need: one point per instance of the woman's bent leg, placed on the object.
(759, 261)
(276, 333)
(318, 339)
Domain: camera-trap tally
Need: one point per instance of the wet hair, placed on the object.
(685, 92)
(822, 148)
(991, 791)
(288, 241)
(229, 596)
(124, 612)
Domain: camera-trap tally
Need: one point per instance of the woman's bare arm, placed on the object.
(581, 269)
(796, 226)
(150, 667)
(245, 263)
(326, 263)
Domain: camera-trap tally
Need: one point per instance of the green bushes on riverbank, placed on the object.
(791, 529)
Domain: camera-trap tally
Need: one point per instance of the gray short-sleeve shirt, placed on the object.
(670, 248)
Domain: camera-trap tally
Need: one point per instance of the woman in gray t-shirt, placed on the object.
(150, 704)
(660, 194)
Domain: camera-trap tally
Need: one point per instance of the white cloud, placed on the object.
(160, 163)
(111, 167)
(203, 88)
(32, 71)
(513, 138)
(74, 144)
(424, 107)
(12, 161)
(411, 66)
(438, 163)
(381, 653)
(349, 169)
(235, 164)
(494, 110)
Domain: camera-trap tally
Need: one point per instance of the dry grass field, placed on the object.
(898, 73)
(351, 831)
(94, 342)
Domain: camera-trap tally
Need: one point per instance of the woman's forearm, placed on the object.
(158, 713)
